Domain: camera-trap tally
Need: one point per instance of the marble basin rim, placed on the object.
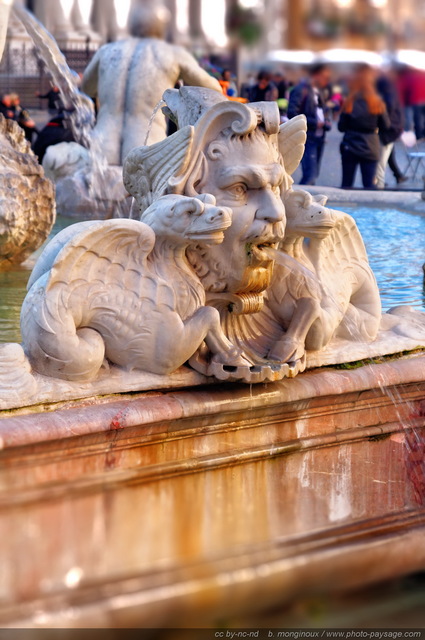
(410, 201)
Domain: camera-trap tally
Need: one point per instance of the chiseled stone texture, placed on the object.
(284, 279)
(27, 208)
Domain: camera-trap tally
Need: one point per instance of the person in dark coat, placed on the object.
(23, 117)
(363, 115)
(307, 98)
(54, 100)
(388, 92)
(264, 89)
(53, 133)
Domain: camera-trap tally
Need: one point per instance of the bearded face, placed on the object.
(244, 174)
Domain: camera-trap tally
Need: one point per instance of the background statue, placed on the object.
(128, 77)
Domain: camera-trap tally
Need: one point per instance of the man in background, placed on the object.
(264, 89)
(307, 98)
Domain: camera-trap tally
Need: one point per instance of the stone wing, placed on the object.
(146, 170)
(292, 136)
(108, 252)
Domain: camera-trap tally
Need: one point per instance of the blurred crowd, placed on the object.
(371, 108)
(53, 132)
(10, 107)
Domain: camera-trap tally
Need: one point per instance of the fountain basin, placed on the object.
(183, 507)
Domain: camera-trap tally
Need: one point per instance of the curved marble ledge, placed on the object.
(105, 414)
(255, 579)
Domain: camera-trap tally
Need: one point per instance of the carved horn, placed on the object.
(240, 118)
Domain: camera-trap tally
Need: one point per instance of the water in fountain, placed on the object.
(393, 239)
(157, 107)
(410, 416)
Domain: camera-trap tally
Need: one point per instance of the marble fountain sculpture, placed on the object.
(185, 493)
(27, 209)
(128, 78)
(217, 271)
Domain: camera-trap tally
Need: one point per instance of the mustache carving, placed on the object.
(265, 232)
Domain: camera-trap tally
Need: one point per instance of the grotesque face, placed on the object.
(245, 175)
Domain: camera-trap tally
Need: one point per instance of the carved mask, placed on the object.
(245, 174)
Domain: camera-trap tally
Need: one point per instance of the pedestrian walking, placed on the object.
(363, 115)
(388, 92)
(264, 89)
(307, 98)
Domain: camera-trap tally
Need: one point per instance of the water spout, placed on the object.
(79, 106)
(157, 107)
(4, 19)
(290, 263)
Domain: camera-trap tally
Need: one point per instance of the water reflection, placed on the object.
(395, 245)
(394, 242)
(13, 285)
(12, 292)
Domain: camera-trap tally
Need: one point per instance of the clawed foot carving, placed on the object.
(233, 358)
(286, 350)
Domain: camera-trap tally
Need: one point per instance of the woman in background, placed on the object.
(363, 115)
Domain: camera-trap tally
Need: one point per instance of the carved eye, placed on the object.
(238, 190)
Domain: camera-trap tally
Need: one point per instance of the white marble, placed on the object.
(228, 269)
(125, 291)
(310, 301)
(127, 78)
(317, 289)
(84, 191)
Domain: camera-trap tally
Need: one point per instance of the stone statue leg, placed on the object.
(292, 345)
(205, 325)
(178, 340)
